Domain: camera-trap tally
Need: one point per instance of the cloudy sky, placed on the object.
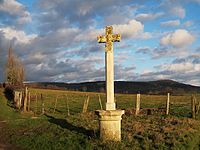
(56, 39)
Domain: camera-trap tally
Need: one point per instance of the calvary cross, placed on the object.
(109, 38)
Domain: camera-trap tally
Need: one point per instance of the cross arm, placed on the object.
(116, 38)
(101, 39)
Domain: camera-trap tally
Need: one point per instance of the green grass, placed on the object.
(6, 112)
(80, 131)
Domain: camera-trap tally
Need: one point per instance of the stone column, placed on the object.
(110, 104)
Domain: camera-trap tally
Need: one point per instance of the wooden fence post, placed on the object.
(43, 108)
(43, 111)
(20, 100)
(197, 108)
(193, 106)
(41, 96)
(36, 103)
(100, 103)
(167, 103)
(137, 104)
(29, 101)
(85, 105)
(25, 98)
(67, 104)
(55, 104)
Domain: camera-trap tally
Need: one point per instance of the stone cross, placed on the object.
(109, 38)
(109, 119)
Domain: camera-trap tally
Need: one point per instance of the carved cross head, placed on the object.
(109, 38)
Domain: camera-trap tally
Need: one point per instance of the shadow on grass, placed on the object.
(8, 93)
(66, 125)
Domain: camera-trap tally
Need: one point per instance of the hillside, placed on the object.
(150, 87)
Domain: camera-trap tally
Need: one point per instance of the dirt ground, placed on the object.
(3, 144)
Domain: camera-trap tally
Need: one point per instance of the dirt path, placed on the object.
(3, 144)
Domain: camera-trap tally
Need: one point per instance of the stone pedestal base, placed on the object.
(110, 124)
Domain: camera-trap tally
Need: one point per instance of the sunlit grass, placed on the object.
(58, 130)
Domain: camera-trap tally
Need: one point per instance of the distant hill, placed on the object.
(131, 87)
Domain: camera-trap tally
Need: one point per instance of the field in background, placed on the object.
(58, 130)
(179, 105)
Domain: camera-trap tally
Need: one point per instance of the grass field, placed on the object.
(58, 130)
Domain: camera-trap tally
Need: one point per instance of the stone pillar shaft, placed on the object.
(110, 104)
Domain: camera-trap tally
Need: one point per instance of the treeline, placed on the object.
(160, 87)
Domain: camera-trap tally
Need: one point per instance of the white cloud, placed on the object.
(180, 67)
(181, 72)
(20, 36)
(25, 18)
(171, 23)
(89, 35)
(133, 29)
(84, 9)
(178, 11)
(130, 29)
(161, 52)
(144, 50)
(147, 17)
(188, 24)
(15, 8)
(11, 6)
(179, 38)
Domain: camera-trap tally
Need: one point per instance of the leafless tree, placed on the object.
(14, 70)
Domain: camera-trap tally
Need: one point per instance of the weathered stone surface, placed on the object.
(110, 119)
(110, 124)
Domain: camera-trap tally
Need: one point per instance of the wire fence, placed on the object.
(70, 103)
